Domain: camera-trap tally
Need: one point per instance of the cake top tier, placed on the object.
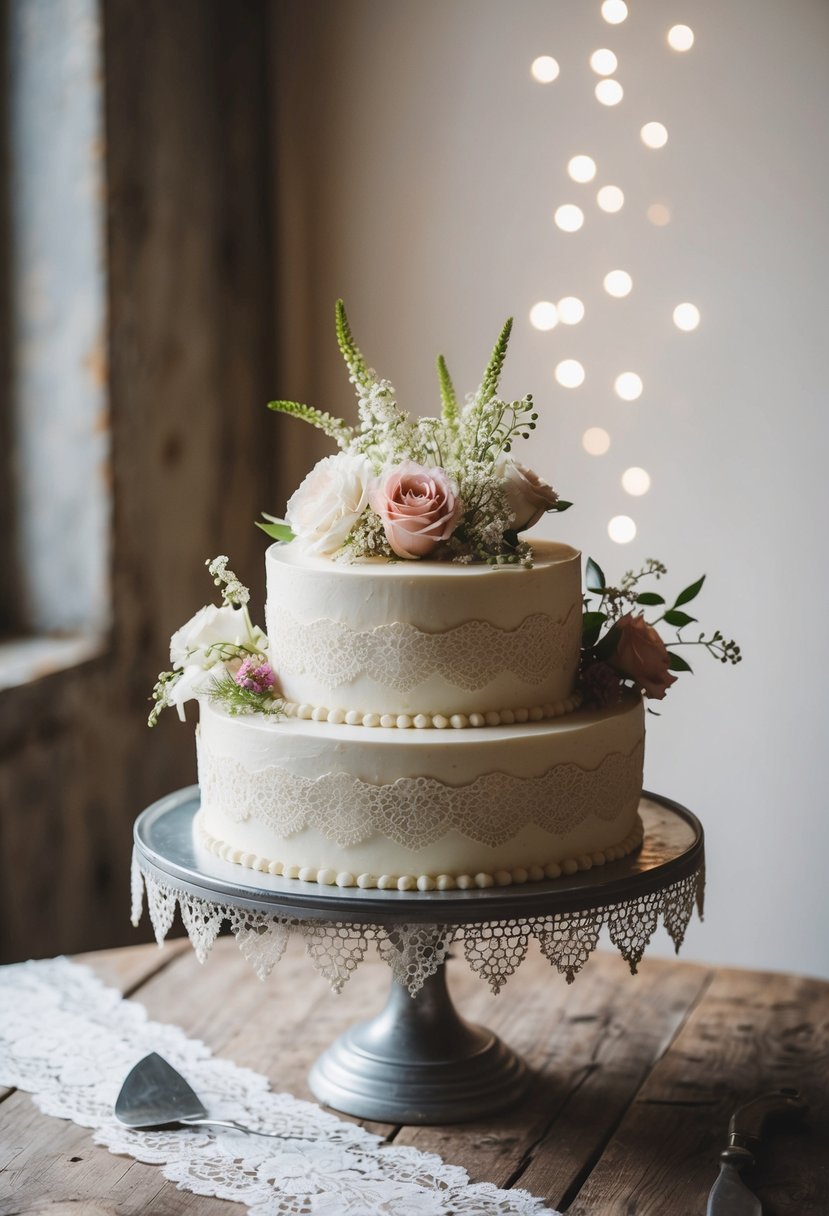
(424, 638)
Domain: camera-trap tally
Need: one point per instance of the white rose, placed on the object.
(528, 495)
(331, 499)
(189, 645)
(194, 681)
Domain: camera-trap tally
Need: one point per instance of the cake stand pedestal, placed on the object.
(418, 1061)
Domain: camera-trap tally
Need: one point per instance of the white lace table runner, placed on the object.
(70, 1041)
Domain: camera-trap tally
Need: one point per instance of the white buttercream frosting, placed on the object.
(390, 803)
(424, 638)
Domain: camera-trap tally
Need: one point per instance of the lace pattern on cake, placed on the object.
(401, 656)
(418, 811)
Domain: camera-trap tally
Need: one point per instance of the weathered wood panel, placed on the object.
(193, 448)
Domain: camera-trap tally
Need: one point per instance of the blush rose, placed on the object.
(641, 655)
(528, 495)
(419, 508)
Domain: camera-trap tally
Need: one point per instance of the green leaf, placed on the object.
(649, 598)
(677, 663)
(594, 576)
(278, 529)
(678, 619)
(448, 396)
(591, 627)
(689, 593)
(561, 505)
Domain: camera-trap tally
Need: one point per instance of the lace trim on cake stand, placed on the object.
(401, 656)
(457, 721)
(423, 882)
(494, 950)
(86, 1040)
(418, 811)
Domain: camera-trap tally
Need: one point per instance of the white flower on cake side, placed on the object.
(219, 654)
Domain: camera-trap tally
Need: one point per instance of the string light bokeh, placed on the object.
(570, 217)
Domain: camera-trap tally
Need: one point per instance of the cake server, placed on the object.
(155, 1095)
(729, 1195)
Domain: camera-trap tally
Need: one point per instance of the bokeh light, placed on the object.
(609, 92)
(544, 315)
(610, 198)
(654, 135)
(570, 310)
(618, 283)
(686, 317)
(680, 37)
(658, 214)
(628, 386)
(622, 529)
(545, 69)
(614, 11)
(603, 62)
(582, 168)
(570, 373)
(569, 217)
(595, 441)
(636, 481)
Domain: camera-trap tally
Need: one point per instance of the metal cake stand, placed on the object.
(418, 1060)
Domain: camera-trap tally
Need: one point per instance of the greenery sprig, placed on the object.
(609, 604)
(238, 701)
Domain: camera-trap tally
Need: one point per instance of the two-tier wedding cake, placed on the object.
(430, 707)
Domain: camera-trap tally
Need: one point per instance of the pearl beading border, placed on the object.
(425, 882)
(493, 717)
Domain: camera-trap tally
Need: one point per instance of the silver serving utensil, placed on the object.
(729, 1195)
(154, 1095)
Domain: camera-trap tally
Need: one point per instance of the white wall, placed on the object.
(423, 167)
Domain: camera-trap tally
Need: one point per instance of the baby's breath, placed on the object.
(234, 593)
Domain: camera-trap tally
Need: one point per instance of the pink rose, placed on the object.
(419, 508)
(528, 495)
(641, 655)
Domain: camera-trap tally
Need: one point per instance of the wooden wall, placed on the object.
(193, 454)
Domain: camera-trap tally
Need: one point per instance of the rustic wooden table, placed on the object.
(635, 1081)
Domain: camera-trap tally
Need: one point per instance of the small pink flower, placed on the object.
(419, 508)
(641, 655)
(255, 674)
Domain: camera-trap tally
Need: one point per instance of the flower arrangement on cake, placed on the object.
(406, 488)
(621, 649)
(446, 489)
(219, 654)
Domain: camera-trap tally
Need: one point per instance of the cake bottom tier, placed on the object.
(344, 806)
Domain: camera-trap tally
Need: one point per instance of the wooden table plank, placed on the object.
(590, 1046)
(635, 1079)
(750, 1033)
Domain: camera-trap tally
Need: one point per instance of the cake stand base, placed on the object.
(418, 1061)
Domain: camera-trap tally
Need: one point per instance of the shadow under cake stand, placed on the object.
(418, 1060)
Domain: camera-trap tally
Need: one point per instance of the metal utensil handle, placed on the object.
(748, 1122)
(236, 1127)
